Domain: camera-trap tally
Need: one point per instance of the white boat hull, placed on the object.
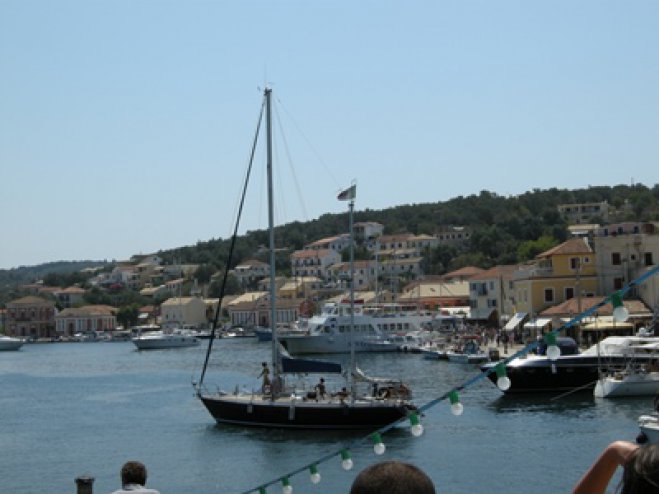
(641, 384)
(162, 341)
(467, 358)
(333, 343)
(649, 425)
(8, 343)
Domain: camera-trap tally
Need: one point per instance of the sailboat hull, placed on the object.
(257, 411)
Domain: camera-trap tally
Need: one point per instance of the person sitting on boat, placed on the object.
(320, 388)
(265, 374)
(343, 394)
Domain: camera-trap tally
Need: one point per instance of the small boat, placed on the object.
(8, 343)
(467, 351)
(627, 383)
(158, 340)
(649, 426)
(636, 378)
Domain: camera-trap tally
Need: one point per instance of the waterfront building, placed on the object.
(70, 297)
(556, 275)
(492, 294)
(31, 317)
(623, 252)
(183, 311)
(250, 271)
(86, 319)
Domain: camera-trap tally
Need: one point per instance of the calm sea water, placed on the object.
(71, 409)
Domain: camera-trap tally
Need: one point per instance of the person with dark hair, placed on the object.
(265, 374)
(392, 477)
(133, 479)
(640, 475)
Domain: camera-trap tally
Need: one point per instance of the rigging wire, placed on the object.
(218, 310)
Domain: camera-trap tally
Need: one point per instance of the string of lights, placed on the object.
(620, 314)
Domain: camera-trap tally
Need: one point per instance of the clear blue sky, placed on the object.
(125, 126)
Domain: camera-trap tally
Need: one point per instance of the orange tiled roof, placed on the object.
(573, 246)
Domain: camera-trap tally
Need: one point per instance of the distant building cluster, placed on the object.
(559, 283)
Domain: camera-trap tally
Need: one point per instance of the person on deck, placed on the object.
(265, 374)
(320, 388)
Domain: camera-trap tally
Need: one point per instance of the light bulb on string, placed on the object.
(314, 475)
(286, 488)
(417, 428)
(553, 352)
(346, 460)
(378, 446)
(620, 312)
(503, 381)
(456, 406)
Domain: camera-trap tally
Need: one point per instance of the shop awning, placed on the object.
(538, 323)
(514, 321)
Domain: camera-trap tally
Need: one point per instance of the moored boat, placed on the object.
(278, 404)
(159, 340)
(8, 343)
(572, 370)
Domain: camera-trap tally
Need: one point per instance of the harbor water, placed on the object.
(83, 409)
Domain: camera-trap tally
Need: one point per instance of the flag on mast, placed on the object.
(349, 194)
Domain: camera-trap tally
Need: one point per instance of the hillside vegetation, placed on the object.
(505, 230)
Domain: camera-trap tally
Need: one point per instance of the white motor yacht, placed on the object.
(156, 340)
(9, 343)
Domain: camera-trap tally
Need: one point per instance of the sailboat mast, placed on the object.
(352, 303)
(271, 230)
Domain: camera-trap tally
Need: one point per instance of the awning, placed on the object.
(514, 321)
(538, 323)
(606, 323)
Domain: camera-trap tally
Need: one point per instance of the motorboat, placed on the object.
(649, 426)
(636, 379)
(161, 339)
(572, 370)
(8, 343)
(467, 351)
(329, 331)
(627, 383)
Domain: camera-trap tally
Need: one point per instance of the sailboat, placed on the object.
(280, 405)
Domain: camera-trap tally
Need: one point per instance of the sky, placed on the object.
(126, 125)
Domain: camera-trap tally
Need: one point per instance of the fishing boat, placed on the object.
(8, 343)
(278, 404)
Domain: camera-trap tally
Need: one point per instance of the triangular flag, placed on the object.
(349, 194)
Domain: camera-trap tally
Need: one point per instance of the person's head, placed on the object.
(133, 472)
(322, 380)
(641, 474)
(264, 364)
(392, 477)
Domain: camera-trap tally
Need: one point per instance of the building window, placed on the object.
(617, 283)
(615, 258)
(648, 258)
(569, 293)
(574, 263)
(549, 294)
